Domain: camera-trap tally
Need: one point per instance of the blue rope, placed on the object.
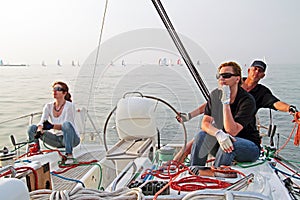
(18, 161)
(278, 170)
(68, 179)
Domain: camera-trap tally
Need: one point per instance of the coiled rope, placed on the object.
(88, 194)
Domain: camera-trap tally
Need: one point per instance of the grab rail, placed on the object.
(31, 115)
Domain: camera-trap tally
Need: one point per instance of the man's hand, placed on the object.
(225, 94)
(224, 140)
(292, 109)
(47, 125)
(183, 117)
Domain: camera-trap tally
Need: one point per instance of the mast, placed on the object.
(170, 28)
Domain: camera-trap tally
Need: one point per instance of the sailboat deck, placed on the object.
(76, 173)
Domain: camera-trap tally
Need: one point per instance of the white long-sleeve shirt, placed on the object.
(68, 114)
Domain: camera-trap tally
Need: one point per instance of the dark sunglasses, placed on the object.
(60, 89)
(225, 75)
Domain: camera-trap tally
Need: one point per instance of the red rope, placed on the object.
(192, 183)
(163, 189)
(173, 168)
(24, 169)
(67, 167)
(296, 120)
(226, 170)
(52, 150)
(287, 167)
(28, 154)
(297, 135)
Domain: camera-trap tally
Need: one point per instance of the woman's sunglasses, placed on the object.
(60, 89)
(225, 75)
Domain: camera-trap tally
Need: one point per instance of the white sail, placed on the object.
(165, 62)
(123, 63)
(179, 62)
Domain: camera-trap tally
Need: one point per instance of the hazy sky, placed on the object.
(36, 30)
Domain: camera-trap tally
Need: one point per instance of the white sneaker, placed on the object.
(70, 160)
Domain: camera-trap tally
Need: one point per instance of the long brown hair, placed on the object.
(65, 88)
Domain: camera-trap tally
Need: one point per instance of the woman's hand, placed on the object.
(47, 125)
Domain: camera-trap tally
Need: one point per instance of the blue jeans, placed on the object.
(69, 139)
(244, 150)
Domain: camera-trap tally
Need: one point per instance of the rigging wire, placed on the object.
(167, 22)
(98, 51)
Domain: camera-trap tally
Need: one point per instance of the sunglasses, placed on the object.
(225, 75)
(60, 89)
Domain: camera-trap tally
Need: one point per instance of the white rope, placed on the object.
(88, 194)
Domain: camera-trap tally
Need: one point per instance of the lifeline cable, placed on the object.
(167, 22)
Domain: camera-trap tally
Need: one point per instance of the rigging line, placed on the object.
(180, 46)
(164, 17)
(170, 28)
(97, 54)
(185, 57)
(95, 65)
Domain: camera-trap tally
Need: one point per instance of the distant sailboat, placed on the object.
(43, 64)
(160, 62)
(1, 62)
(73, 63)
(198, 63)
(58, 63)
(264, 59)
(123, 63)
(170, 62)
(179, 62)
(165, 62)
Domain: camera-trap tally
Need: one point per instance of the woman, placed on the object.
(61, 113)
(228, 124)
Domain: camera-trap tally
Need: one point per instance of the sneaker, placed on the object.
(69, 160)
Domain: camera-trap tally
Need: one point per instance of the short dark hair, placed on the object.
(260, 64)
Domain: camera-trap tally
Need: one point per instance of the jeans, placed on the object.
(69, 139)
(244, 150)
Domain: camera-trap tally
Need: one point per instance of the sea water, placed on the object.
(25, 90)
